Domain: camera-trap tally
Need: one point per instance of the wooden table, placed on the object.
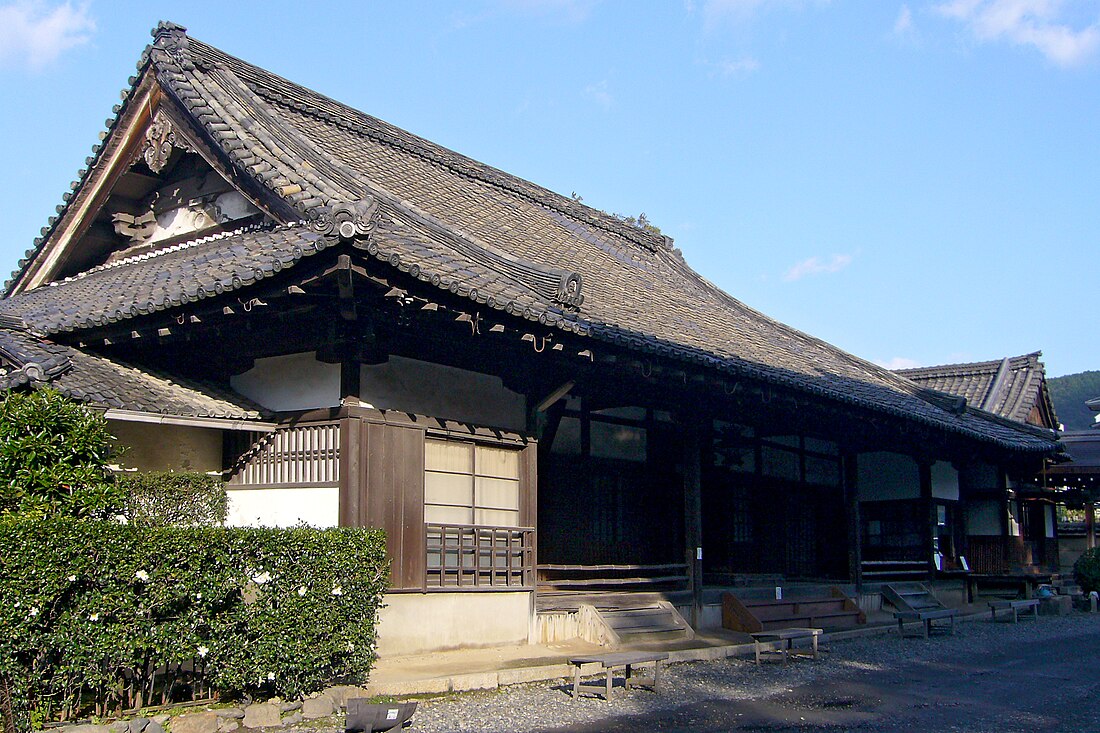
(785, 638)
(926, 617)
(1016, 607)
(627, 661)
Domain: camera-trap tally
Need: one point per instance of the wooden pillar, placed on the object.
(693, 519)
(924, 469)
(850, 477)
(351, 492)
(1090, 525)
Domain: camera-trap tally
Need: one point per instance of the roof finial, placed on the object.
(167, 27)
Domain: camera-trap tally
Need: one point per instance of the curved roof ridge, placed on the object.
(285, 92)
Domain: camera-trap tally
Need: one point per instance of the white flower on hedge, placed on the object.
(302, 591)
(203, 651)
(93, 617)
(337, 590)
(198, 596)
(32, 612)
(72, 578)
(271, 676)
(261, 578)
(142, 576)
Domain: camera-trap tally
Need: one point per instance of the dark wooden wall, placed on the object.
(382, 485)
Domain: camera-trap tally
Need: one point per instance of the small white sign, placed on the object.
(698, 553)
(778, 593)
(391, 714)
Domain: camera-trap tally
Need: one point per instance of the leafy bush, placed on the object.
(53, 458)
(1087, 570)
(165, 498)
(100, 615)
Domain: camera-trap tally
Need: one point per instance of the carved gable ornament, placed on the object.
(345, 220)
(161, 139)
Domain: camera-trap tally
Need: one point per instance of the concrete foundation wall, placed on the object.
(153, 447)
(411, 623)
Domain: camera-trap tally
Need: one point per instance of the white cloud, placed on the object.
(34, 34)
(717, 11)
(1040, 24)
(904, 23)
(817, 266)
(573, 11)
(598, 92)
(732, 67)
(899, 362)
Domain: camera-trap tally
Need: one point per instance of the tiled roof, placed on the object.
(1010, 387)
(101, 382)
(462, 226)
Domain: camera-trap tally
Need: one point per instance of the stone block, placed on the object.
(154, 726)
(340, 694)
(1055, 606)
(137, 725)
(85, 729)
(262, 715)
(475, 681)
(290, 707)
(228, 725)
(294, 718)
(195, 723)
(229, 713)
(120, 726)
(321, 706)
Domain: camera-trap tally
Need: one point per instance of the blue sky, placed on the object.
(916, 182)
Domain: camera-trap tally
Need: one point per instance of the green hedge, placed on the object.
(100, 616)
(168, 498)
(1086, 571)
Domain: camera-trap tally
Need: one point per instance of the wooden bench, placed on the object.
(1016, 607)
(785, 638)
(626, 661)
(926, 617)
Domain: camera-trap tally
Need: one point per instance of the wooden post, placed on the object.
(924, 469)
(351, 491)
(1090, 525)
(693, 519)
(850, 477)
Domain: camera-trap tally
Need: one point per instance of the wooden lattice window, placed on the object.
(468, 483)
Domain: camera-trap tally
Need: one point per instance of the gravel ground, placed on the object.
(875, 683)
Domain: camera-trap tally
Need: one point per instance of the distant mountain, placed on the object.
(1069, 394)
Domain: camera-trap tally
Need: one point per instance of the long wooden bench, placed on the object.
(751, 615)
(627, 661)
(926, 617)
(1015, 607)
(785, 639)
(586, 577)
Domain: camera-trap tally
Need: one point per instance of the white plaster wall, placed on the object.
(410, 623)
(983, 518)
(1014, 519)
(442, 391)
(982, 476)
(887, 476)
(315, 506)
(291, 382)
(153, 447)
(945, 481)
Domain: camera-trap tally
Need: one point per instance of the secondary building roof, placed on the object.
(1014, 387)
